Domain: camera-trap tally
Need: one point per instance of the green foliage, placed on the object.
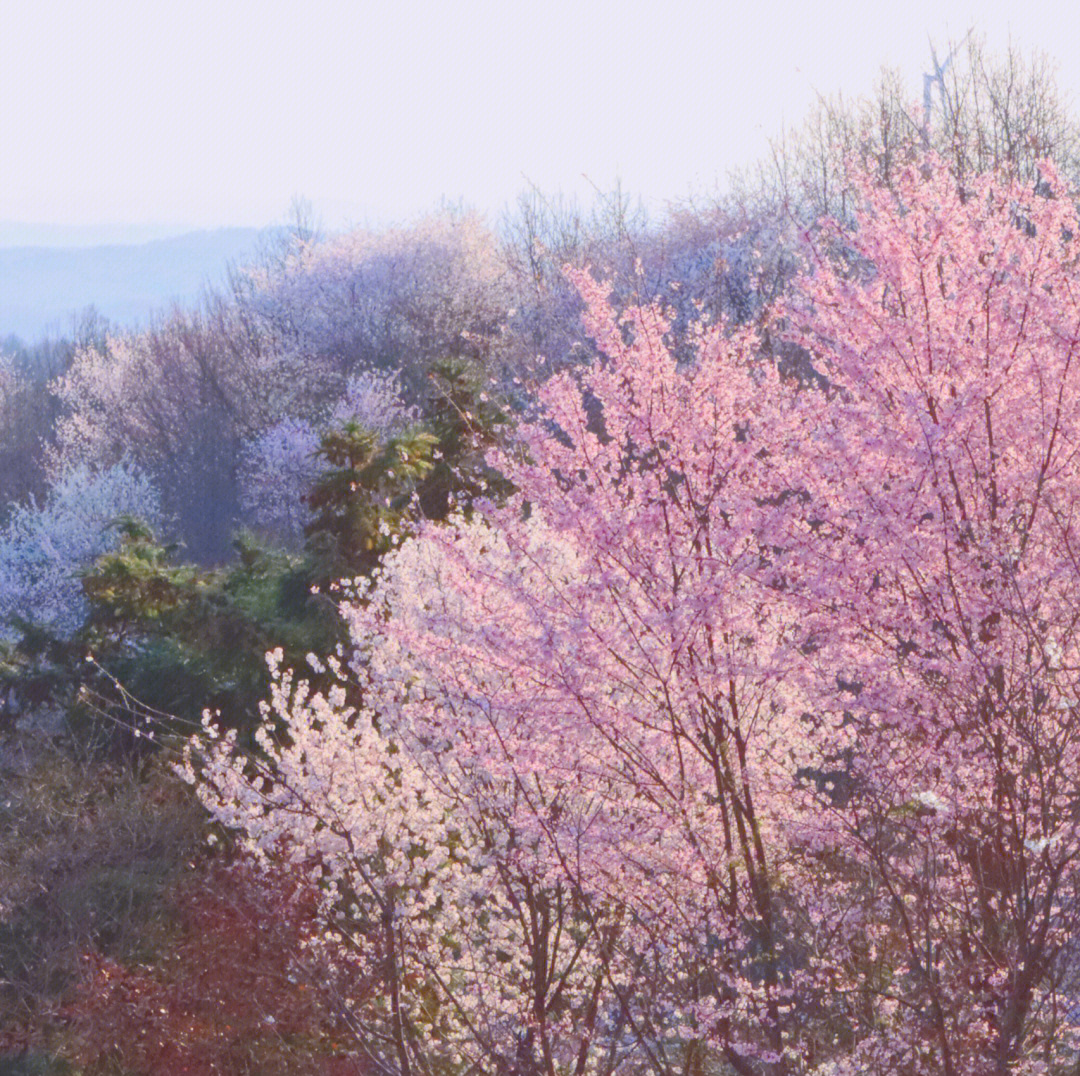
(168, 639)
(362, 505)
(180, 638)
(36, 672)
(136, 582)
(466, 420)
(374, 492)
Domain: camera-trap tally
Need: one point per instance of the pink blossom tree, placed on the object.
(743, 736)
(579, 708)
(943, 586)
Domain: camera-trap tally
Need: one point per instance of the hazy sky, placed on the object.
(213, 113)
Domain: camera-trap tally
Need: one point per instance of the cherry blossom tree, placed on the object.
(576, 708)
(400, 299)
(176, 400)
(743, 735)
(276, 468)
(943, 584)
(44, 546)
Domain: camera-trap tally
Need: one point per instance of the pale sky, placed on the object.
(202, 114)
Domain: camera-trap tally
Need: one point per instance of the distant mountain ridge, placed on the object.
(42, 286)
(17, 233)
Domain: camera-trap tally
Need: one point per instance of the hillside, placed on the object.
(42, 286)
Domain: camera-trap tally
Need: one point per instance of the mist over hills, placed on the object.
(42, 284)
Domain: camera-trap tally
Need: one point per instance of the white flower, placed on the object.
(1040, 846)
(931, 800)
